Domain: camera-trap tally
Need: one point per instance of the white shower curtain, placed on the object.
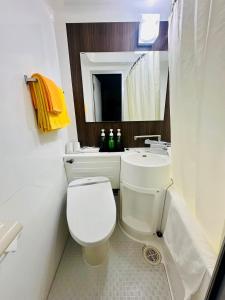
(142, 89)
(197, 93)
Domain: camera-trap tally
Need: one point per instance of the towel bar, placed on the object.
(29, 79)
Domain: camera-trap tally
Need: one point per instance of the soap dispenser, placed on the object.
(111, 142)
(102, 141)
(119, 145)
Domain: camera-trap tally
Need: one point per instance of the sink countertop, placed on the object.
(89, 151)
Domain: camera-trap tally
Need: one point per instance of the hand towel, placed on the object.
(49, 115)
(50, 92)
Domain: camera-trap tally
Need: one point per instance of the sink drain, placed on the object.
(152, 255)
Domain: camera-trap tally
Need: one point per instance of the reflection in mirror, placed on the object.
(124, 86)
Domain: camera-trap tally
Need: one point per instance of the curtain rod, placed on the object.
(136, 61)
(173, 4)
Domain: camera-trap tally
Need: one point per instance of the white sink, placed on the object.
(145, 170)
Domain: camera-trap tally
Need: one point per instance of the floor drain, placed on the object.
(152, 255)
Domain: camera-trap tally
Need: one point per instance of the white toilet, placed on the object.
(91, 216)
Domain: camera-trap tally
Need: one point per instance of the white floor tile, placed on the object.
(126, 275)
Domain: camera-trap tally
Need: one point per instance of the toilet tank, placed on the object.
(93, 164)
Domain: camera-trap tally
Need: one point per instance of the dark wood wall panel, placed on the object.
(111, 37)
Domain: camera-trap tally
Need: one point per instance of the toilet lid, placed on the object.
(91, 210)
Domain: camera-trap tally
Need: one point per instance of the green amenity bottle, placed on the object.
(111, 142)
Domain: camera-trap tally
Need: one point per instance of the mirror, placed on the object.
(124, 86)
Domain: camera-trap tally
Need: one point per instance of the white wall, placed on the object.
(64, 62)
(33, 183)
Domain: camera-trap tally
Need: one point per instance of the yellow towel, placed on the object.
(46, 107)
(51, 93)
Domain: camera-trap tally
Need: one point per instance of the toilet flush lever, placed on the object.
(70, 161)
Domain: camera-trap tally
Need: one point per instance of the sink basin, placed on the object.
(146, 159)
(145, 170)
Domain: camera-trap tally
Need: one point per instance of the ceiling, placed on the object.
(147, 6)
(157, 3)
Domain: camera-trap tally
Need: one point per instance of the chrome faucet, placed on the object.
(158, 136)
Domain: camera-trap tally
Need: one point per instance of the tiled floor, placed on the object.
(126, 275)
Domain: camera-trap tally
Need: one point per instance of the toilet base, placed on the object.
(96, 255)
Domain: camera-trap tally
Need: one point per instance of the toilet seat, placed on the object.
(91, 210)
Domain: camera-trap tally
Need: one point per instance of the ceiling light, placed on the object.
(148, 29)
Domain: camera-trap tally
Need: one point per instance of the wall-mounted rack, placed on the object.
(29, 79)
